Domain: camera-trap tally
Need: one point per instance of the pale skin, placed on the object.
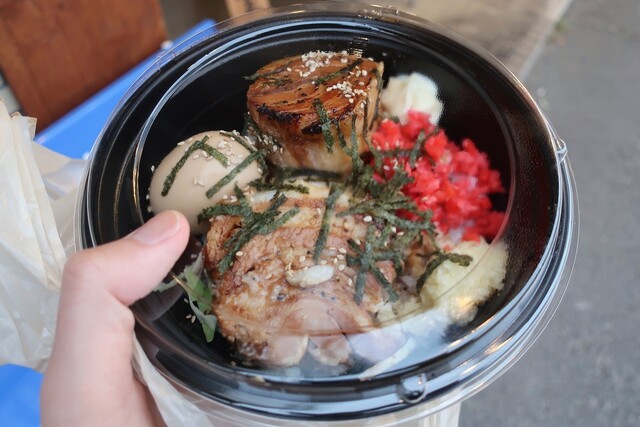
(90, 380)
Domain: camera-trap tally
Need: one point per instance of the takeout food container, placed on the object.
(199, 86)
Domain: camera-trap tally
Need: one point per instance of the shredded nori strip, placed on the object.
(254, 224)
(240, 140)
(216, 154)
(418, 148)
(337, 73)
(198, 145)
(277, 82)
(222, 209)
(361, 280)
(234, 172)
(335, 192)
(325, 124)
(377, 159)
(365, 260)
(261, 185)
(376, 72)
(437, 260)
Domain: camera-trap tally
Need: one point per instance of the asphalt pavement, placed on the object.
(584, 369)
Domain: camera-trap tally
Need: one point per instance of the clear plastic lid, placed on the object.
(312, 292)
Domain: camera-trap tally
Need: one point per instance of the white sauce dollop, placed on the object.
(411, 92)
(199, 173)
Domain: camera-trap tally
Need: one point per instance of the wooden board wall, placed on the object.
(57, 53)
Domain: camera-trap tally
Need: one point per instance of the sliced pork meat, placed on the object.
(298, 103)
(276, 304)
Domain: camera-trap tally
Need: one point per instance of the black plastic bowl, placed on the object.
(200, 86)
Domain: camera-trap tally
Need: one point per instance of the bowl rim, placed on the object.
(374, 13)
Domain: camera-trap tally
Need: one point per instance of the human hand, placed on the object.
(90, 380)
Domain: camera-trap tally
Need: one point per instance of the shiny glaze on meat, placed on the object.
(281, 103)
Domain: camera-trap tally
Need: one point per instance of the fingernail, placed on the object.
(160, 228)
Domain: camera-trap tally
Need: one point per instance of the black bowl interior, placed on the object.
(481, 102)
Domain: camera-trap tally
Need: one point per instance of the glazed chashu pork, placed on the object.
(285, 97)
(276, 304)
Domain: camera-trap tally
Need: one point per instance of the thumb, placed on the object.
(130, 268)
(91, 360)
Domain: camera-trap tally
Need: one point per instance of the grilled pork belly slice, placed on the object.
(287, 94)
(272, 315)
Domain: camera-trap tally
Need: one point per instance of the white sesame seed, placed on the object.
(350, 282)
(302, 258)
(289, 69)
(341, 267)
(196, 156)
(323, 262)
(153, 168)
(193, 319)
(188, 316)
(367, 218)
(335, 260)
(181, 143)
(340, 257)
(195, 181)
(364, 73)
(268, 276)
(401, 233)
(190, 139)
(239, 253)
(342, 250)
(147, 197)
(274, 148)
(350, 100)
(319, 211)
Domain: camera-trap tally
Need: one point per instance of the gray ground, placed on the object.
(583, 371)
